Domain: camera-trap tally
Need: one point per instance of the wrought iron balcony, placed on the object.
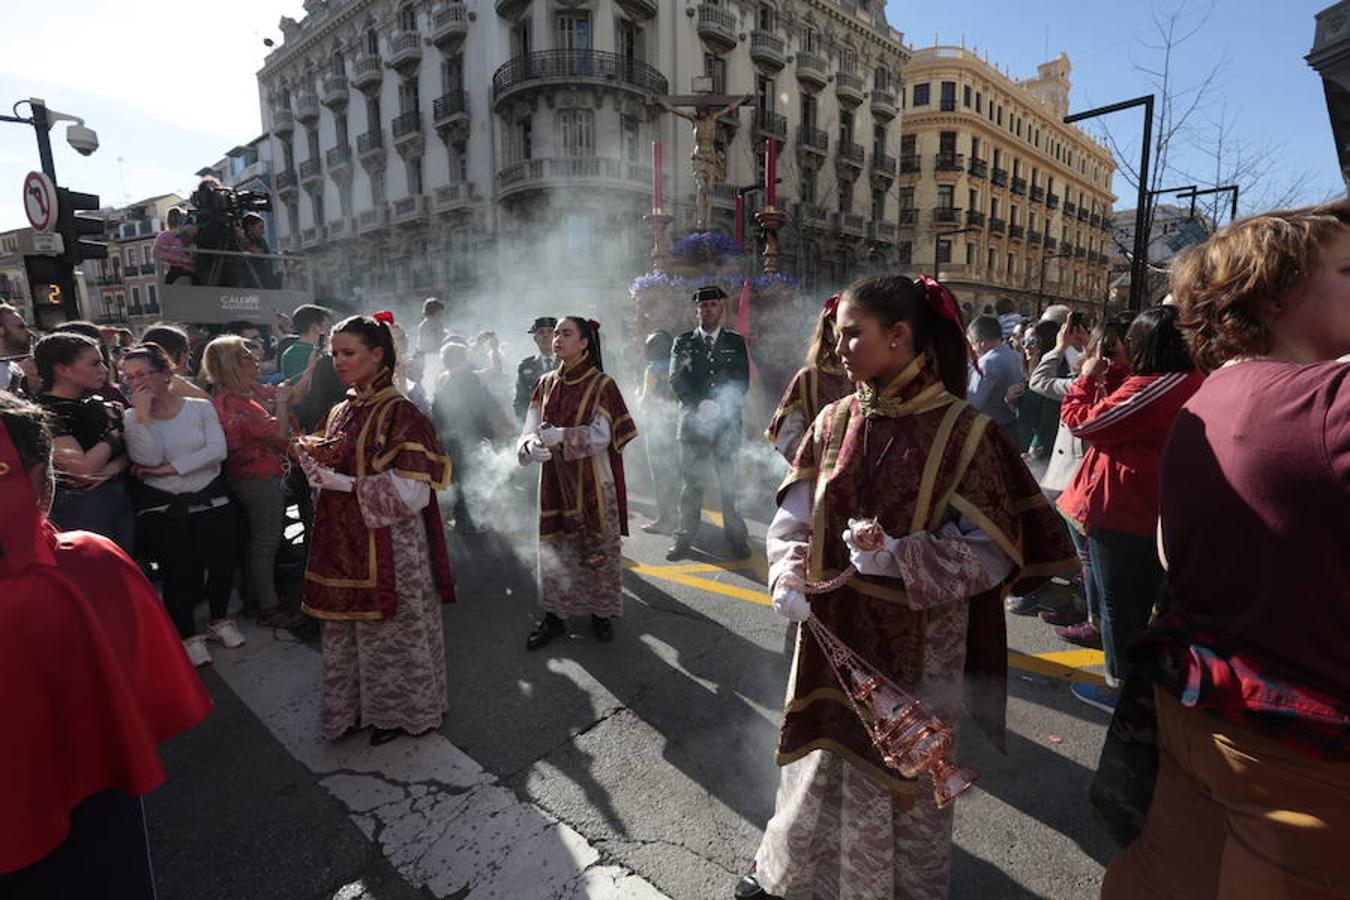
(591, 171)
(883, 104)
(813, 139)
(339, 156)
(974, 217)
(287, 181)
(367, 72)
(908, 215)
(1070, 209)
(372, 219)
(1017, 231)
(544, 67)
(370, 142)
(999, 177)
(333, 91)
(1082, 214)
(449, 25)
(978, 168)
(811, 69)
(997, 225)
(852, 154)
(310, 170)
(1034, 236)
(1079, 252)
(306, 106)
(881, 232)
(716, 26)
(453, 196)
(1019, 186)
(768, 49)
(1052, 201)
(946, 214)
(850, 224)
(407, 124)
(909, 164)
(950, 162)
(848, 87)
(809, 215)
(883, 164)
(405, 51)
(1051, 243)
(447, 106)
(1037, 194)
(771, 124)
(408, 209)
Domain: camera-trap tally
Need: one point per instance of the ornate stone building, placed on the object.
(482, 150)
(995, 190)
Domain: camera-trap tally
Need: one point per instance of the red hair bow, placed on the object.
(595, 326)
(384, 316)
(943, 302)
(831, 306)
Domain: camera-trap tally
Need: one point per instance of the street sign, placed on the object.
(39, 201)
(39, 244)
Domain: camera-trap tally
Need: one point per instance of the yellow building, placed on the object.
(995, 191)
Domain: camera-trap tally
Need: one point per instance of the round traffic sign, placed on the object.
(39, 201)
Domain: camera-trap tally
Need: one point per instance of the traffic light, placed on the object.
(73, 227)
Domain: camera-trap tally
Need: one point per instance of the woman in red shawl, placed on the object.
(820, 381)
(378, 567)
(94, 677)
(576, 427)
(964, 520)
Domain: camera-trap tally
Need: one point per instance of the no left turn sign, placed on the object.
(39, 201)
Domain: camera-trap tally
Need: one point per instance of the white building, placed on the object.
(479, 150)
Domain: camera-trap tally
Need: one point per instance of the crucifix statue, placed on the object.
(706, 162)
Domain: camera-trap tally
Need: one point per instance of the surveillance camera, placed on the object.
(84, 140)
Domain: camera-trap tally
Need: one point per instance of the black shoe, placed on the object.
(603, 630)
(740, 549)
(657, 527)
(1023, 606)
(380, 736)
(749, 889)
(682, 550)
(549, 627)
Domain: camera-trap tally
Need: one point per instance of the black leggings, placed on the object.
(187, 548)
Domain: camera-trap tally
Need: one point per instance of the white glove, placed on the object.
(791, 605)
(708, 409)
(323, 478)
(873, 562)
(550, 435)
(537, 452)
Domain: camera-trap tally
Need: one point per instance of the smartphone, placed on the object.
(322, 345)
(1076, 320)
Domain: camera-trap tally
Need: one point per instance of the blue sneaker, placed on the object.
(1095, 695)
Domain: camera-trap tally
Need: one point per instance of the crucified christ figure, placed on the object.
(707, 164)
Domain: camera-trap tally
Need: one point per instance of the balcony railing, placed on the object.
(341, 155)
(306, 106)
(1034, 236)
(367, 71)
(1037, 194)
(1082, 214)
(771, 123)
(999, 177)
(283, 122)
(883, 103)
(909, 164)
(406, 123)
(908, 215)
(447, 105)
(811, 215)
(1070, 209)
(287, 180)
(815, 138)
(1017, 231)
(768, 49)
(851, 153)
(848, 86)
(883, 164)
(1019, 186)
(1052, 201)
(811, 68)
(946, 214)
(716, 25)
(449, 24)
(850, 224)
(950, 162)
(1051, 243)
(334, 90)
(583, 169)
(370, 142)
(1079, 252)
(405, 49)
(881, 232)
(566, 65)
(974, 217)
(997, 225)
(978, 168)
(309, 169)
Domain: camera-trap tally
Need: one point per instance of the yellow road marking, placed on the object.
(1069, 665)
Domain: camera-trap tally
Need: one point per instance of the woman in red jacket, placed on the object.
(1114, 497)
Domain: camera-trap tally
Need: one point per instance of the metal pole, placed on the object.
(1040, 292)
(43, 129)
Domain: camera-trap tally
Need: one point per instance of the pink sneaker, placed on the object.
(1084, 634)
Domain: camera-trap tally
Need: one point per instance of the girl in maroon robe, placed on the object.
(820, 381)
(576, 428)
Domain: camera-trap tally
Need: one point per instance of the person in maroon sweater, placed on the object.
(1114, 494)
(1251, 673)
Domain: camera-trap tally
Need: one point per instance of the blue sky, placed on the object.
(169, 89)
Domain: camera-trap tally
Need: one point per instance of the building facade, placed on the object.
(122, 289)
(995, 191)
(475, 149)
(1330, 57)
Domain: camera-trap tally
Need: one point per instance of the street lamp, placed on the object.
(83, 139)
(1139, 264)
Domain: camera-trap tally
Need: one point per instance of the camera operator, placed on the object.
(251, 237)
(221, 215)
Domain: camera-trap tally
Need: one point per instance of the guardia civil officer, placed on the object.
(709, 374)
(532, 368)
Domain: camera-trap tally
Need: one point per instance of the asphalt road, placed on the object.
(647, 763)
